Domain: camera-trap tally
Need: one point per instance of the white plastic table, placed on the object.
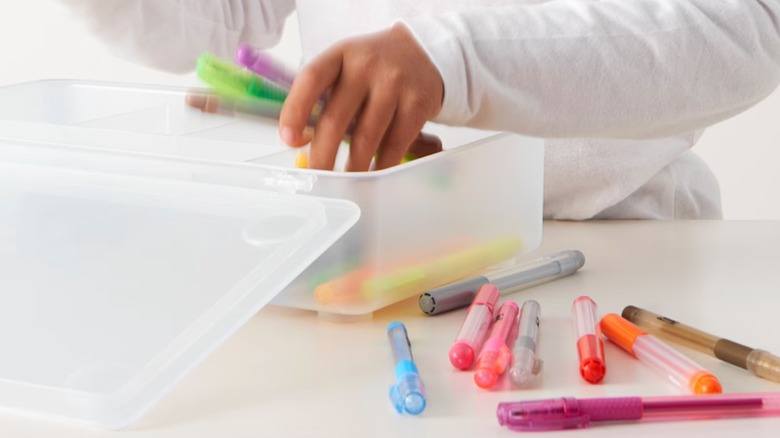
(288, 373)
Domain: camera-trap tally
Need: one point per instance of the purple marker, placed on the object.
(262, 64)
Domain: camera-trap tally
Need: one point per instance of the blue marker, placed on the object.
(408, 393)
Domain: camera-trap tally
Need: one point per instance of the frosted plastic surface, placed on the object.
(485, 187)
(114, 286)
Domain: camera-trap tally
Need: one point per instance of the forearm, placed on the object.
(171, 34)
(612, 68)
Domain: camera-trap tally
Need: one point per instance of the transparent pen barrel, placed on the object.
(671, 330)
(525, 366)
(399, 343)
(475, 326)
(586, 319)
(764, 364)
(667, 361)
(711, 406)
(528, 324)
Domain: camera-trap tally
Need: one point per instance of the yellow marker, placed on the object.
(407, 158)
(409, 280)
(302, 160)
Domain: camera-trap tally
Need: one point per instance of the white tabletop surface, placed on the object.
(287, 372)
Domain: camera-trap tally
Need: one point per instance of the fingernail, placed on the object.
(288, 135)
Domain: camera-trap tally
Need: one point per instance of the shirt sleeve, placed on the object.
(171, 34)
(609, 68)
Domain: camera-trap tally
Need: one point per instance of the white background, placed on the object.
(38, 40)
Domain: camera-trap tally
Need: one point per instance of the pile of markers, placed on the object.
(255, 84)
(494, 356)
(255, 80)
(483, 344)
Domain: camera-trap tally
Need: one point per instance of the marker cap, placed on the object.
(705, 382)
(485, 378)
(592, 367)
(246, 55)
(462, 356)
(620, 331)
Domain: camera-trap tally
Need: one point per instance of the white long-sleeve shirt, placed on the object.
(620, 88)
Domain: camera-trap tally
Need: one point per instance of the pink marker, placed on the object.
(496, 356)
(475, 327)
(572, 413)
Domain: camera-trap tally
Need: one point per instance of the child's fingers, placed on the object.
(371, 126)
(306, 90)
(405, 127)
(343, 104)
(424, 145)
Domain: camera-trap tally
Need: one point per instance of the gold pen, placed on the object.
(759, 362)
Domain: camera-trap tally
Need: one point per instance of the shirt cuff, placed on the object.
(445, 52)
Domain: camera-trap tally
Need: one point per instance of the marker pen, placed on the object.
(264, 65)
(496, 356)
(590, 347)
(526, 365)
(408, 393)
(682, 371)
(573, 413)
(475, 327)
(527, 274)
(231, 81)
(759, 362)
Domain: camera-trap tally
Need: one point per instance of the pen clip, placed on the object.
(540, 415)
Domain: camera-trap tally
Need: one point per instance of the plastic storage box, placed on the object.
(138, 233)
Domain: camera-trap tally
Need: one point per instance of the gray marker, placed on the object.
(541, 270)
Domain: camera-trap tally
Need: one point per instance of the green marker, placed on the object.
(234, 82)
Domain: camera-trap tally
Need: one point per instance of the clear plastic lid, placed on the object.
(115, 285)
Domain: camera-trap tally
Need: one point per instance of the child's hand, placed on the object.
(385, 81)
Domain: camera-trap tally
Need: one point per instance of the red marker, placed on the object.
(590, 347)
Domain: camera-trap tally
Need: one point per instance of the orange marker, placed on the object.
(345, 289)
(682, 371)
(590, 347)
